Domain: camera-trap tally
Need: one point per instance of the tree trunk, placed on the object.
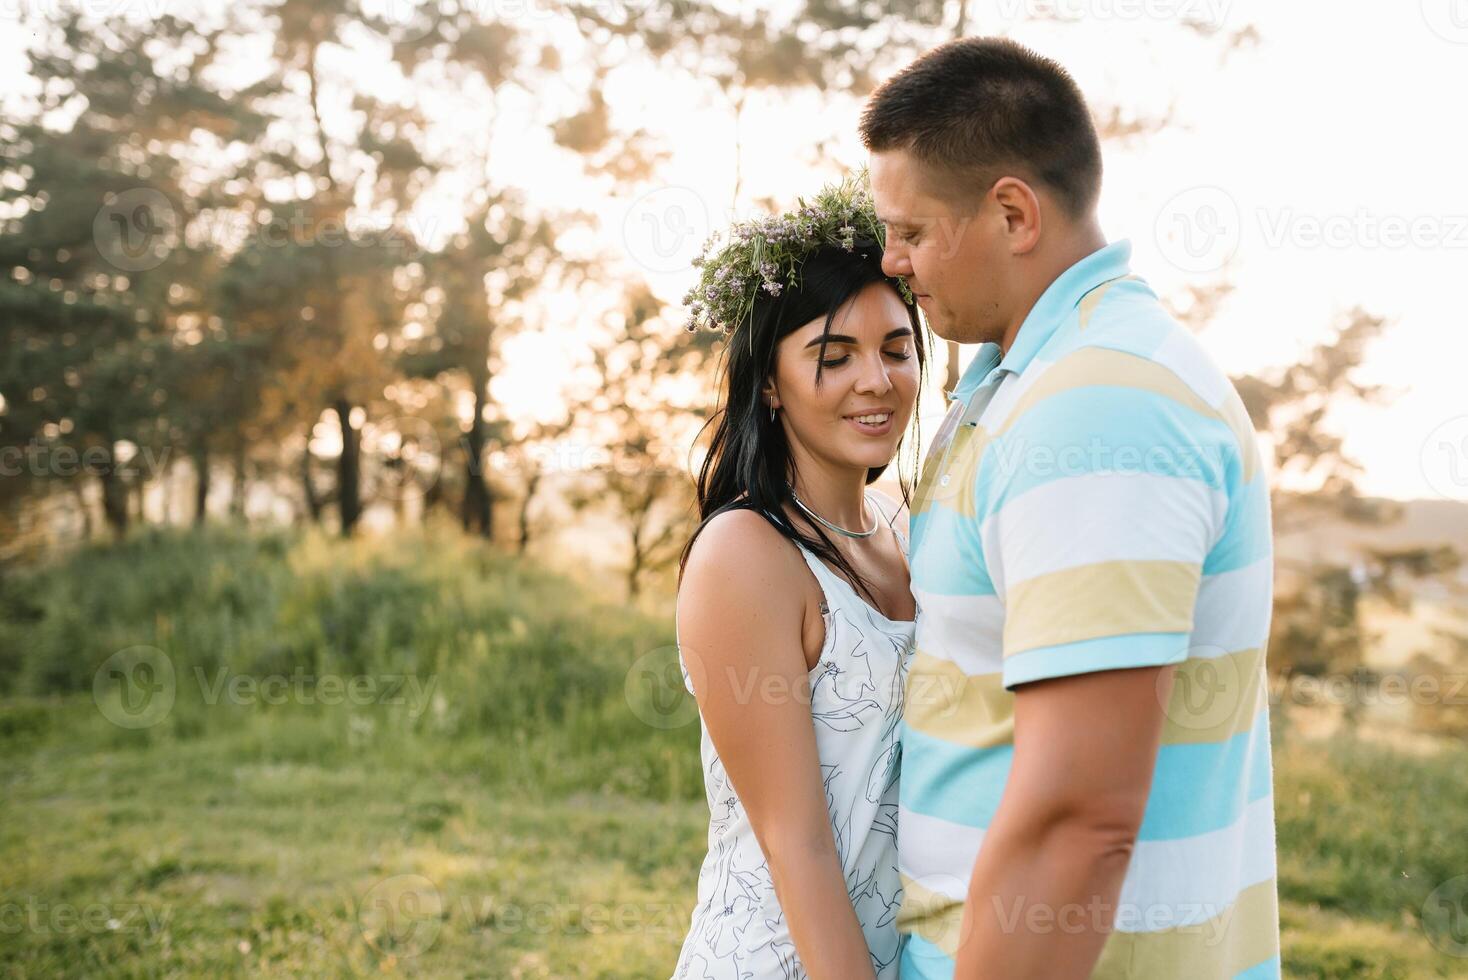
(201, 485)
(478, 510)
(531, 486)
(239, 484)
(114, 494)
(313, 499)
(348, 470)
(86, 511)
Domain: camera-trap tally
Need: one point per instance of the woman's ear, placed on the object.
(772, 396)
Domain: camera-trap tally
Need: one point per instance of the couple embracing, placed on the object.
(1034, 742)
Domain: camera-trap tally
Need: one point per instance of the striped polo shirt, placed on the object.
(1095, 500)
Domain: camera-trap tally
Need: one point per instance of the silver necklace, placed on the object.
(839, 530)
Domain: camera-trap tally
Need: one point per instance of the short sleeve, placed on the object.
(1099, 526)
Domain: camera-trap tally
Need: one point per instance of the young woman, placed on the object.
(794, 618)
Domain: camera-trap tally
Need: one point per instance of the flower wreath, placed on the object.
(767, 253)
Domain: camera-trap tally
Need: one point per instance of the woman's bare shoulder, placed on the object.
(741, 544)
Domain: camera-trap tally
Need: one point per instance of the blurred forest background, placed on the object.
(297, 381)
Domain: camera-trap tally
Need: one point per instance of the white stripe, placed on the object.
(1233, 610)
(1098, 517)
(967, 630)
(1181, 354)
(1169, 883)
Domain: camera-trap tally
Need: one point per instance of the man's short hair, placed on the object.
(981, 108)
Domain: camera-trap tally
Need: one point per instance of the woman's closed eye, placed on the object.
(900, 355)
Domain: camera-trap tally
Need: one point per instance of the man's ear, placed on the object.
(1019, 207)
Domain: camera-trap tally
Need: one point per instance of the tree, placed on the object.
(643, 404)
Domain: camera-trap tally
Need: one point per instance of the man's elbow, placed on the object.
(1097, 831)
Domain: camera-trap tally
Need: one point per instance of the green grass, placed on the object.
(530, 814)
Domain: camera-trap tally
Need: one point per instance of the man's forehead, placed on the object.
(896, 189)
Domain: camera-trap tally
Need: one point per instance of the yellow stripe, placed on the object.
(963, 709)
(1241, 936)
(930, 914)
(1107, 598)
(1212, 700)
(1236, 416)
(1216, 698)
(1092, 299)
(1086, 367)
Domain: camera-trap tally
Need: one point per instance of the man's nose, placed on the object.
(895, 262)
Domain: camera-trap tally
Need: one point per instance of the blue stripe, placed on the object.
(1247, 534)
(1104, 653)
(1202, 787)
(954, 782)
(1102, 429)
(1196, 788)
(954, 563)
(921, 960)
(1268, 970)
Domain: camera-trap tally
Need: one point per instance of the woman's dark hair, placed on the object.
(748, 456)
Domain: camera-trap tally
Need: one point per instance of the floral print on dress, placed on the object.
(738, 930)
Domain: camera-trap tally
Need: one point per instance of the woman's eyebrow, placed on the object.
(841, 338)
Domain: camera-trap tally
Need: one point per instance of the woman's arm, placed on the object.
(740, 614)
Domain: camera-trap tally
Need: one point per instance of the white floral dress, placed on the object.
(738, 931)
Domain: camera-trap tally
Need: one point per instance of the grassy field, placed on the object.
(510, 790)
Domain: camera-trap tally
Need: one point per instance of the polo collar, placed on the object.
(1060, 298)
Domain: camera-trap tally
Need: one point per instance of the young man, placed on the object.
(1086, 781)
